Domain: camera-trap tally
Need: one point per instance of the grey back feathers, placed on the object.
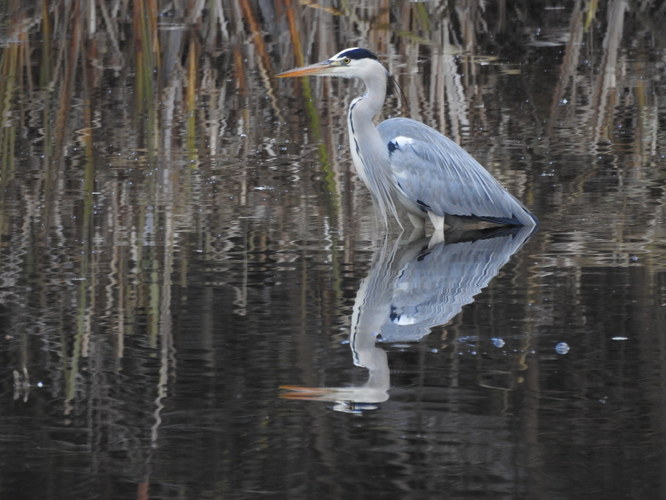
(440, 176)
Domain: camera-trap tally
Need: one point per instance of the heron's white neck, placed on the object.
(364, 109)
(369, 153)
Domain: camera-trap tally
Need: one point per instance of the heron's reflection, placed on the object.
(410, 289)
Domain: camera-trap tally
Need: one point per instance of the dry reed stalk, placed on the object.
(265, 65)
(45, 73)
(191, 99)
(147, 57)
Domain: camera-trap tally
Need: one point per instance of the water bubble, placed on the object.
(497, 342)
(562, 348)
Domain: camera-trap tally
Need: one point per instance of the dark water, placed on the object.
(191, 274)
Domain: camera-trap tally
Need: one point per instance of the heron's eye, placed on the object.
(346, 60)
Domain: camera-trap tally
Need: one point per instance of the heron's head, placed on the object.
(349, 63)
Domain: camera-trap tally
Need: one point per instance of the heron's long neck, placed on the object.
(364, 109)
(368, 150)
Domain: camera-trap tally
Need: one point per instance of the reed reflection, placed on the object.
(410, 289)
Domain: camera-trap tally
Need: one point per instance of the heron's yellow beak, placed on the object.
(321, 68)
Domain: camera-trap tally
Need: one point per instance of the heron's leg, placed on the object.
(419, 227)
(438, 234)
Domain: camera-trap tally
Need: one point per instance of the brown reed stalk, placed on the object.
(191, 96)
(147, 60)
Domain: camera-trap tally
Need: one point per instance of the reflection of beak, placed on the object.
(357, 395)
(305, 393)
(321, 68)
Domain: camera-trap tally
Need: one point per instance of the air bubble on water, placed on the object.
(497, 342)
(562, 348)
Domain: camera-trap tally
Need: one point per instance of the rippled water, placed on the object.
(197, 301)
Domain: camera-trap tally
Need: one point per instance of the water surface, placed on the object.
(191, 272)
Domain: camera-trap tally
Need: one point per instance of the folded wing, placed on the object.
(441, 177)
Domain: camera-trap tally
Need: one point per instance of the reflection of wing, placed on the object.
(437, 175)
(432, 288)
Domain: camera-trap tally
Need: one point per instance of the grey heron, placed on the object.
(402, 161)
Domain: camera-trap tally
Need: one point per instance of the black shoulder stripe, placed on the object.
(423, 205)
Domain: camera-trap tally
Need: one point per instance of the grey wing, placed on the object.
(431, 287)
(440, 176)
